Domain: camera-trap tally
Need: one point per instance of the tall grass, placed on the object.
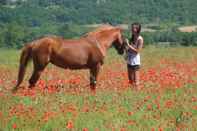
(112, 108)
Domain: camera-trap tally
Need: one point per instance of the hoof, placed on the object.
(93, 89)
(14, 90)
(93, 92)
(31, 86)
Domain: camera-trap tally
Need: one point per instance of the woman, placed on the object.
(135, 45)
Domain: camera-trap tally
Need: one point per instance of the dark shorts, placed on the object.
(133, 67)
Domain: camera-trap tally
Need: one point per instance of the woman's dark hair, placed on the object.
(138, 30)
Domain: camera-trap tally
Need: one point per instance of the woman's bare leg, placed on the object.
(131, 76)
(137, 79)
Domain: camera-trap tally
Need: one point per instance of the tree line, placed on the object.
(24, 20)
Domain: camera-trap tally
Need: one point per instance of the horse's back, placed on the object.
(73, 54)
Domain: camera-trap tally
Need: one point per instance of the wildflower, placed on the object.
(131, 122)
(168, 104)
(123, 129)
(14, 126)
(85, 129)
(48, 115)
(160, 129)
(194, 99)
(69, 125)
(96, 129)
(86, 108)
(195, 107)
(1, 114)
(130, 113)
(149, 107)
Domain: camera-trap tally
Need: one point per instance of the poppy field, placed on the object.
(62, 99)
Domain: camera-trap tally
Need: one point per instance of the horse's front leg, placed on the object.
(94, 71)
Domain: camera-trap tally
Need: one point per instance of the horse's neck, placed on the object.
(106, 41)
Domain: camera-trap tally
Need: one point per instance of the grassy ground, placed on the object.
(167, 102)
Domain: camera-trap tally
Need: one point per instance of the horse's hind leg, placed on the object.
(39, 66)
(34, 78)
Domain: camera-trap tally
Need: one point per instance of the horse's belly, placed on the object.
(70, 62)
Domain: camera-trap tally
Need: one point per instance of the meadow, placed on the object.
(62, 101)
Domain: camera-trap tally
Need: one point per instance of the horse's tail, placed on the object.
(24, 58)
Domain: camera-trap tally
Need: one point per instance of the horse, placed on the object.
(85, 52)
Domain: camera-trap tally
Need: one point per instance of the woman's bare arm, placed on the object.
(139, 47)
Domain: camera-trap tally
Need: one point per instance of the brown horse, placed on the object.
(87, 52)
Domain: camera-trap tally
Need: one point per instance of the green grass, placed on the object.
(109, 108)
(9, 58)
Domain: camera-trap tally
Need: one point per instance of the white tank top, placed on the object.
(133, 57)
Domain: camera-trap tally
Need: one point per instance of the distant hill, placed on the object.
(22, 21)
(34, 12)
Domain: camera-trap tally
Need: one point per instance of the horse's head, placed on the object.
(119, 41)
(108, 36)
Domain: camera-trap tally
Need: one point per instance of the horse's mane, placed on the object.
(99, 30)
